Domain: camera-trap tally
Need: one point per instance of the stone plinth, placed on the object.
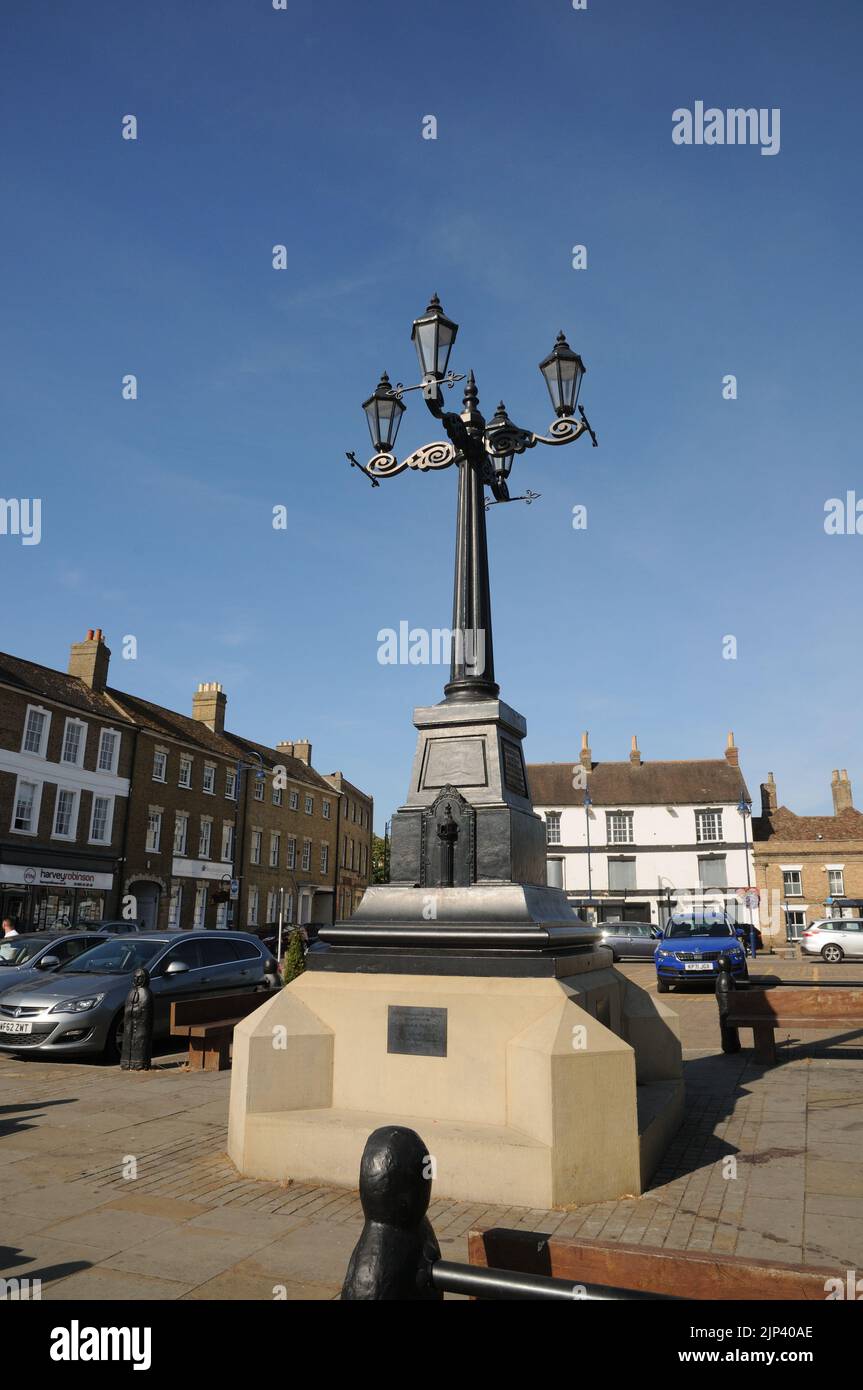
(550, 1091)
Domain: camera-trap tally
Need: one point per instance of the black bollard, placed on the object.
(397, 1247)
(724, 985)
(136, 1052)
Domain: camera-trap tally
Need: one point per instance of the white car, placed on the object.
(833, 938)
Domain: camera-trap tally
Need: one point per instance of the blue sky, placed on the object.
(304, 127)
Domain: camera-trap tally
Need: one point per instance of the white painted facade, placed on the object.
(648, 855)
(667, 855)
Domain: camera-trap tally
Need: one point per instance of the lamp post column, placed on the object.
(472, 663)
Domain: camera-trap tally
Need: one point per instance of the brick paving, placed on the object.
(117, 1185)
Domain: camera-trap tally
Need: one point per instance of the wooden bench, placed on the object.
(804, 1006)
(647, 1269)
(208, 1023)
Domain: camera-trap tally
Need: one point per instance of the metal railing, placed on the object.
(398, 1257)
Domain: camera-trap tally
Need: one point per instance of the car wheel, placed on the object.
(114, 1040)
(662, 986)
(832, 953)
(614, 958)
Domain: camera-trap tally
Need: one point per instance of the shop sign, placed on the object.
(40, 877)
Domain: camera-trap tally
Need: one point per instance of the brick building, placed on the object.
(65, 766)
(353, 872)
(808, 867)
(193, 807)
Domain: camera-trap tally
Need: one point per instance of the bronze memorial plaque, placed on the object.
(513, 768)
(417, 1032)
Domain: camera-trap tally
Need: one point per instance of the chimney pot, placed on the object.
(303, 751)
(585, 757)
(208, 705)
(89, 660)
(768, 796)
(842, 794)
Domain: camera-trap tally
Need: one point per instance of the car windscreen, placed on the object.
(119, 956)
(698, 927)
(17, 950)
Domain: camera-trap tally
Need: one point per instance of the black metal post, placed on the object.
(472, 663)
(724, 987)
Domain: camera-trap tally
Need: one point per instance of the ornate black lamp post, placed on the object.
(468, 830)
(484, 452)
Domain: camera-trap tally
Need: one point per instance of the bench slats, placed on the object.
(214, 1008)
(209, 1025)
(795, 1005)
(682, 1273)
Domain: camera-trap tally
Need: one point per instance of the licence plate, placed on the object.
(15, 1027)
(698, 965)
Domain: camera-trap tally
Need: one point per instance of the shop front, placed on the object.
(38, 896)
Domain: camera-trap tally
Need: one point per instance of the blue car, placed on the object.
(691, 947)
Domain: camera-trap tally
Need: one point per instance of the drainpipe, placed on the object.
(118, 897)
(339, 799)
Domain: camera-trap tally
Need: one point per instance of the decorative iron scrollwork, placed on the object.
(438, 455)
(562, 431)
(384, 466)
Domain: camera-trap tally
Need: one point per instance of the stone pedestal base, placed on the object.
(552, 1091)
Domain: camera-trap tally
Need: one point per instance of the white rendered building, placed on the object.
(632, 841)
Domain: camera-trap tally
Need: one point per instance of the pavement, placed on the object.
(117, 1186)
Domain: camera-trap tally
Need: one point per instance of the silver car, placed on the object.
(79, 1007)
(636, 939)
(833, 938)
(24, 957)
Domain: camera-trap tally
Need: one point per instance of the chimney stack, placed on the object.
(769, 801)
(732, 752)
(303, 751)
(88, 660)
(841, 788)
(634, 755)
(286, 749)
(585, 757)
(208, 705)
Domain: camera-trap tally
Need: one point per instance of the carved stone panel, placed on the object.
(457, 761)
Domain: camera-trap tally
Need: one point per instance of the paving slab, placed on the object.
(189, 1226)
(312, 1251)
(186, 1253)
(99, 1284)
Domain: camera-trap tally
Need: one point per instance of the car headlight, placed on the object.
(78, 1006)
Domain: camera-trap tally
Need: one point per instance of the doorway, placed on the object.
(147, 896)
